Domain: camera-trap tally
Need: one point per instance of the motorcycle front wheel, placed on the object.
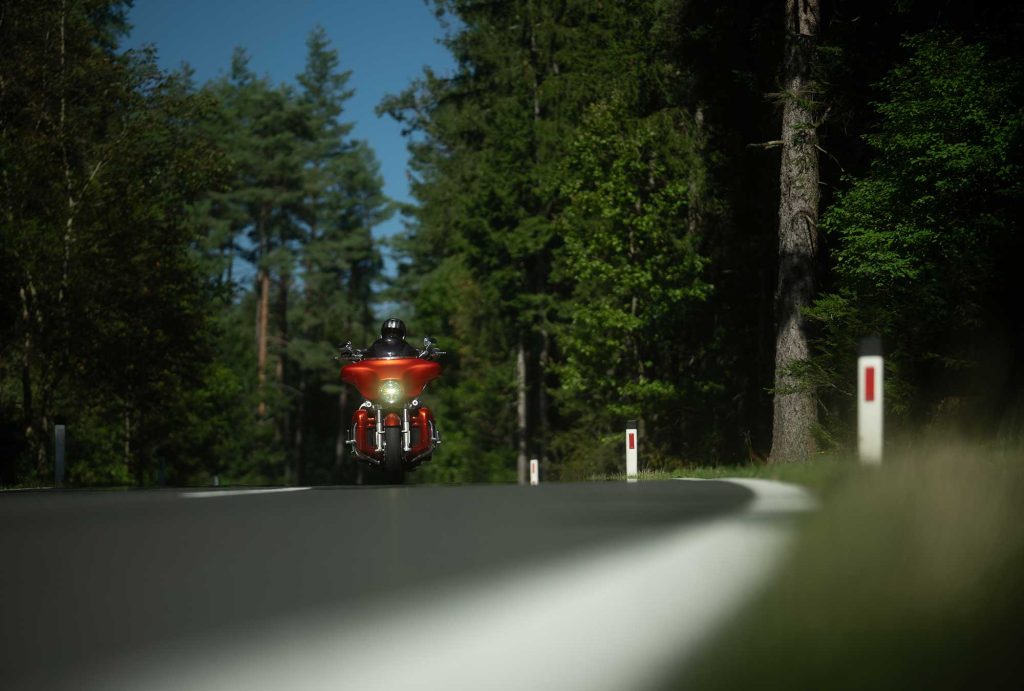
(393, 455)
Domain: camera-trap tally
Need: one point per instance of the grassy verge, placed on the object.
(822, 473)
(910, 576)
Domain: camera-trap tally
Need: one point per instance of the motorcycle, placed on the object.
(392, 431)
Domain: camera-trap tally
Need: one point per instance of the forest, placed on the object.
(681, 212)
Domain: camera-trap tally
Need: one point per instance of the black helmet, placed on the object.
(393, 328)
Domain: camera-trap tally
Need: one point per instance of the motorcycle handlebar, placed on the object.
(347, 352)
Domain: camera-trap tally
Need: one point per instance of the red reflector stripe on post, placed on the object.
(869, 384)
(632, 440)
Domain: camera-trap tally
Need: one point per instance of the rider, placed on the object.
(391, 342)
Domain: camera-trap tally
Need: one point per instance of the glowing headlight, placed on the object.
(390, 391)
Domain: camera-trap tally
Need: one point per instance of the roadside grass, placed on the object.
(911, 576)
(822, 473)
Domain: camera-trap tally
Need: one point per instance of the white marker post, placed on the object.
(870, 370)
(632, 442)
(534, 472)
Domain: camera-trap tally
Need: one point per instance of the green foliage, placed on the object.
(336, 255)
(101, 159)
(529, 181)
(632, 261)
(919, 238)
(594, 238)
(560, 183)
(479, 250)
(130, 202)
(299, 210)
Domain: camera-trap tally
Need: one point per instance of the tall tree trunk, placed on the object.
(35, 398)
(300, 423)
(521, 414)
(534, 427)
(340, 471)
(227, 252)
(27, 406)
(69, 222)
(262, 320)
(542, 395)
(794, 408)
(300, 439)
(695, 187)
(127, 446)
(261, 337)
(347, 469)
(280, 371)
(42, 446)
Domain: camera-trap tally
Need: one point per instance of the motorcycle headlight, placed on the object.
(391, 392)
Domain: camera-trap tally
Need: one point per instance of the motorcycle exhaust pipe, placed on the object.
(406, 431)
(380, 430)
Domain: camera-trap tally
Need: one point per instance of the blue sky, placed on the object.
(386, 44)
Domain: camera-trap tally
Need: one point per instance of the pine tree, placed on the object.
(481, 246)
(342, 203)
(101, 157)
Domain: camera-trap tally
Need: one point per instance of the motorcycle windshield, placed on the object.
(390, 348)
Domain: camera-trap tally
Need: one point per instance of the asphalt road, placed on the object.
(178, 589)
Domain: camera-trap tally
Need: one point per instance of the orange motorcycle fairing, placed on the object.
(368, 375)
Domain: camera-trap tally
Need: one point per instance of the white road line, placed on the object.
(770, 496)
(208, 493)
(621, 619)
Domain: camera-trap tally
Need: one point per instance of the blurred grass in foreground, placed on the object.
(911, 576)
